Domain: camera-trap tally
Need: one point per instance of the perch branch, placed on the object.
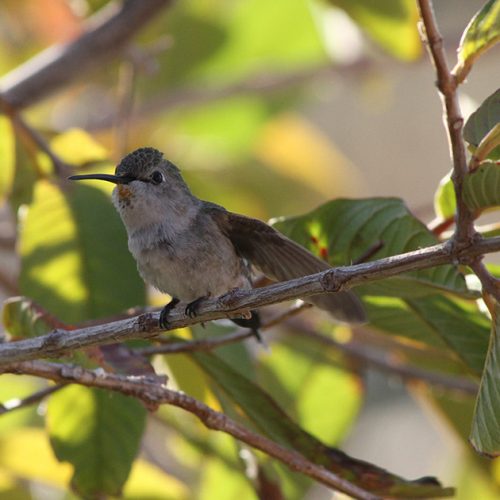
(107, 34)
(153, 394)
(233, 303)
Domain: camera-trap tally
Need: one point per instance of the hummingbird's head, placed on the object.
(148, 188)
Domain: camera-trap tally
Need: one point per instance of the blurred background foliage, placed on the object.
(269, 109)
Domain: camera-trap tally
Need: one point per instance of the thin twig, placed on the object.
(380, 361)
(153, 394)
(17, 404)
(447, 85)
(32, 138)
(490, 284)
(195, 345)
(235, 302)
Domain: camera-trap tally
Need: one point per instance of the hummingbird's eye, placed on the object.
(157, 177)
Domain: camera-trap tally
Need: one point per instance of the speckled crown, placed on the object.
(139, 160)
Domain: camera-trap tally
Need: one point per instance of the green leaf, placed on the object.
(482, 187)
(481, 33)
(23, 318)
(445, 203)
(485, 433)
(74, 255)
(274, 422)
(25, 177)
(99, 433)
(390, 23)
(8, 156)
(483, 120)
(344, 230)
(459, 324)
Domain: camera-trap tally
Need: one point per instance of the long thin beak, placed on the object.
(115, 179)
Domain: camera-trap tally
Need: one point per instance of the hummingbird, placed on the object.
(194, 249)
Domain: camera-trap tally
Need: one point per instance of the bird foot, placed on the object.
(192, 308)
(163, 322)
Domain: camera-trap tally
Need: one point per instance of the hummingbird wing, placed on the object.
(281, 259)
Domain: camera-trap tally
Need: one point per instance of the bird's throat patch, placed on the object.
(124, 192)
(125, 195)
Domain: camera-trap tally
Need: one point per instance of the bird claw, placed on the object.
(192, 308)
(163, 321)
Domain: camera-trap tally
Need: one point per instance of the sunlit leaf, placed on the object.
(98, 432)
(148, 481)
(25, 177)
(77, 147)
(8, 156)
(485, 433)
(482, 32)
(222, 482)
(390, 23)
(475, 482)
(484, 119)
(343, 230)
(75, 261)
(301, 391)
(17, 452)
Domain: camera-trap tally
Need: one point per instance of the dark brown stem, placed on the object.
(153, 394)
(447, 85)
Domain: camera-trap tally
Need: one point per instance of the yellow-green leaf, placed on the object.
(7, 156)
(481, 33)
(75, 261)
(98, 432)
(390, 23)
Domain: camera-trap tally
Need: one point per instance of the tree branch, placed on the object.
(233, 303)
(106, 36)
(153, 394)
(447, 86)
